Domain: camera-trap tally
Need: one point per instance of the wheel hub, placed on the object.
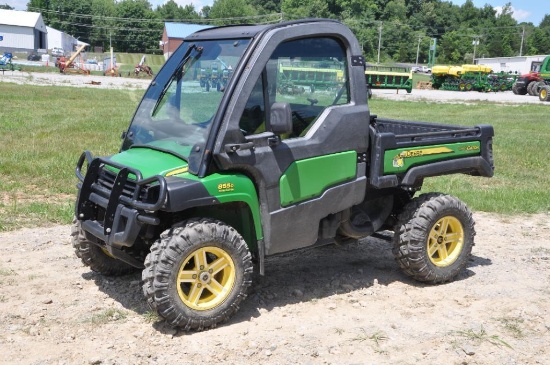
(445, 241)
(205, 277)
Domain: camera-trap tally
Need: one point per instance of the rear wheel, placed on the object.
(519, 90)
(531, 88)
(434, 237)
(95, 257)
(197, 275)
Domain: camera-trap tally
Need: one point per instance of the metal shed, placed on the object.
(22, 31)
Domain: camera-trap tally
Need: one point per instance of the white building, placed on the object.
(59, 39)
(22, 31)
(520, 64)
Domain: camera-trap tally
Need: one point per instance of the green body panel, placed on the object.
(306, 179)
(228, 188)
(545, 69)
(225, 188)
(149, 162)
(400, 160)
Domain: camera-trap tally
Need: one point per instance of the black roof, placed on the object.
(245, 31)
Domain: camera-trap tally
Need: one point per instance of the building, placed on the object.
(22, 31)
(520, 64)
(173, 35)
(59, 39)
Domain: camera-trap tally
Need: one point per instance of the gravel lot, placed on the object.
(129, 83)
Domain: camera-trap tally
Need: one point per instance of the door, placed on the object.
(316, 170)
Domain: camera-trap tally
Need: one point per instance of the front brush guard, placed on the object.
(124, 215)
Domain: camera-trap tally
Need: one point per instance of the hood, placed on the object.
(151, 162)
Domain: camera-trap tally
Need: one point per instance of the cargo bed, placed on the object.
(404, 152)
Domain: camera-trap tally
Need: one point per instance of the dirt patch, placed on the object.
(332, 305)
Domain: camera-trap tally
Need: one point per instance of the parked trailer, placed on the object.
(381, 77)
(297, 76)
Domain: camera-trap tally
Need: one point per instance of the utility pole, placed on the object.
(432, 52)
(379, 41)
(522, 38)
(475, 43)
(418, 48)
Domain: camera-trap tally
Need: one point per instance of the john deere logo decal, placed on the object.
(399, 160)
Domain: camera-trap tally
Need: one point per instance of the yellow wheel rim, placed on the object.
(107, 252)
(543, 93)
(445, 241)
(205, 278)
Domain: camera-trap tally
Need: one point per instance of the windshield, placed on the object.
(177, 110)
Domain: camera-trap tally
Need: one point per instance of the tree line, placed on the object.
(388, 30)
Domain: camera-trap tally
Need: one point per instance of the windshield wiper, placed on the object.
(179, 71)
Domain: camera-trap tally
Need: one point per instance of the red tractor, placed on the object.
(526, 83)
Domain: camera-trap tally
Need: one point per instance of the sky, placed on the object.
(524, 10)
(22, 4)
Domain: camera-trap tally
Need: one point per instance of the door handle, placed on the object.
(231, 148)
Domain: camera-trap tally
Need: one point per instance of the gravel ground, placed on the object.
(48, 79)
(345, 304)
(129, 83)
(444, 96)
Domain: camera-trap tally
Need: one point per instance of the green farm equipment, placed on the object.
(382, 77)
(297, 77)
(471, 77)
(207, 186)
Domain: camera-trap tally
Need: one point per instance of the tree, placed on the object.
(138, 27)
(172, 11)
(296, 9)
(231, 11)
(103, 22)
(6, 7)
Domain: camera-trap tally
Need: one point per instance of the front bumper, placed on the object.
(115, 202)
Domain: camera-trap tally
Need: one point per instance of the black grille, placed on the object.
(106, 179)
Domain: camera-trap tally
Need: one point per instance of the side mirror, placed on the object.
(280, 121)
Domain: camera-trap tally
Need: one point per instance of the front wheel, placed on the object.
(197, 274)
(544, 93)
(97, 258)
(434, 237)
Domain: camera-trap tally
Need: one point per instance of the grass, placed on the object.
(108, 315)
(44, 129)
(482, 336)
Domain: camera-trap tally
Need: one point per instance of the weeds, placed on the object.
(151, 317)
(482, 336)
(7, 272)
(108, 315)
(513, 326)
